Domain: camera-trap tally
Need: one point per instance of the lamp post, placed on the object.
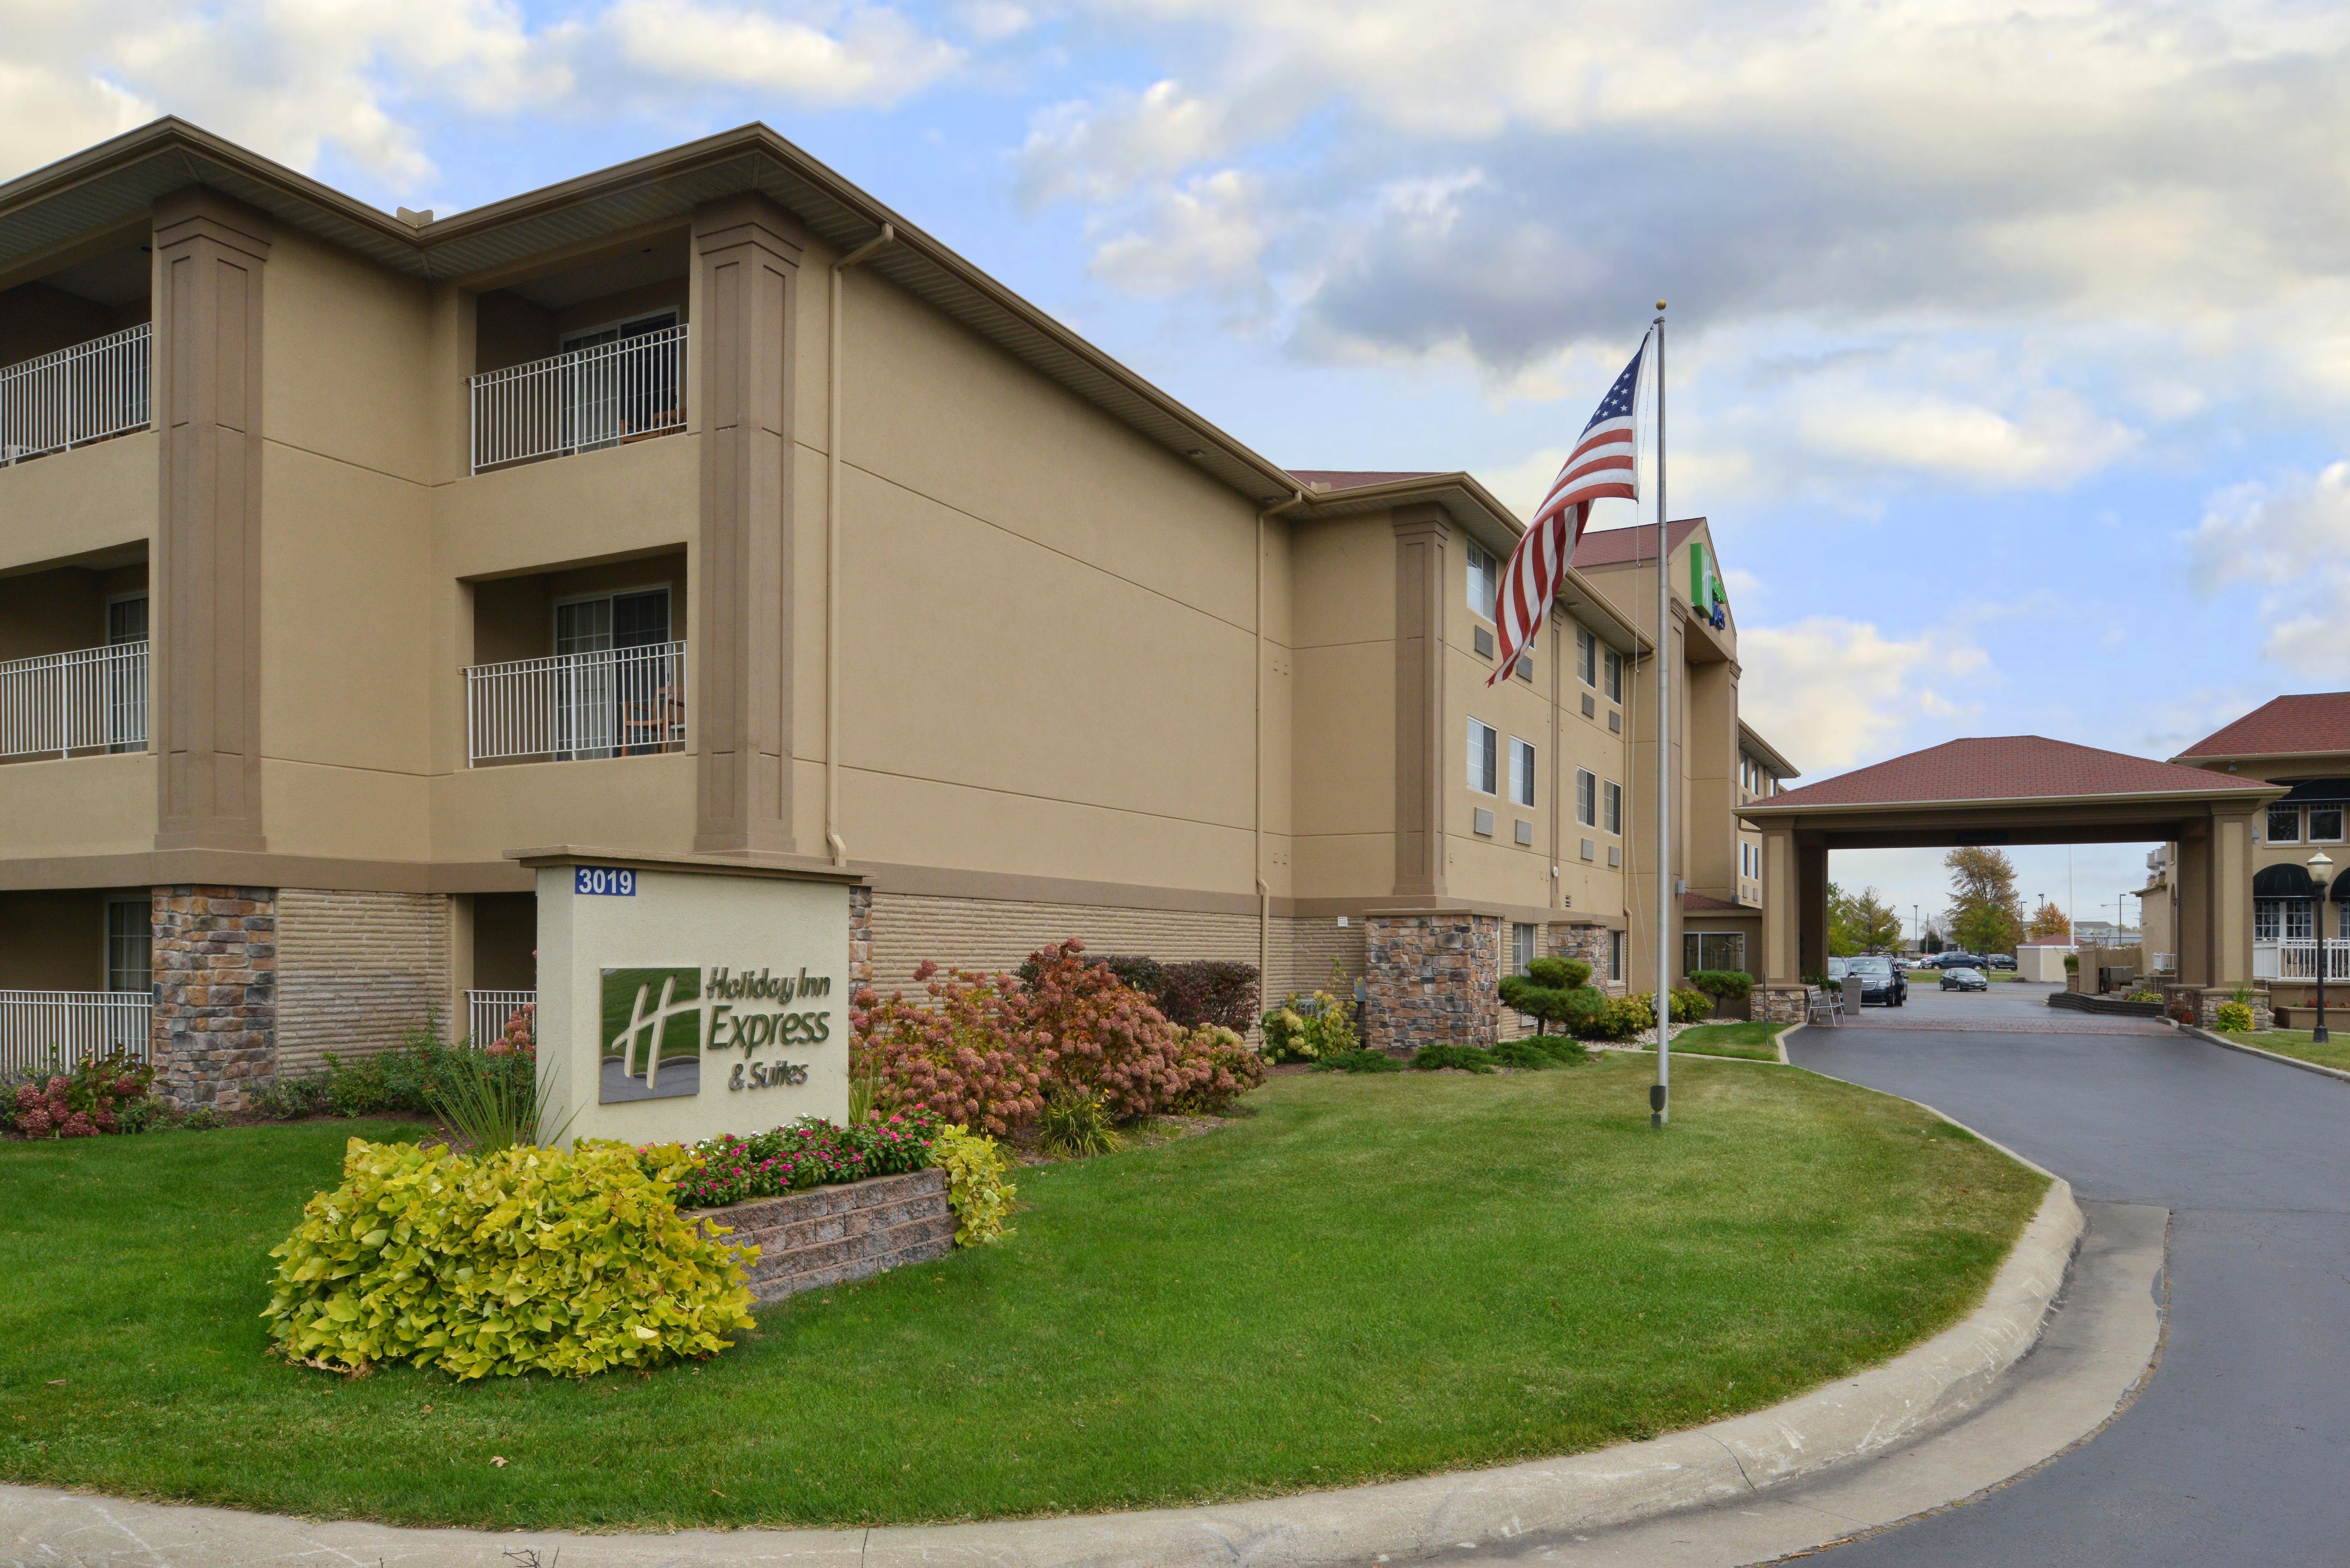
(2319, 865)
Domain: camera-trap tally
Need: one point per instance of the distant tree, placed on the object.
(1862, 923)
(1843, 942)
(2048, 923)
(1986, 911)
(1933, 943)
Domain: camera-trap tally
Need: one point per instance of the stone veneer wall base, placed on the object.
(216, 967)
(830, 1235)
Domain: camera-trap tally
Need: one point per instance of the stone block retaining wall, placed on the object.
(830, 1235)
(216, 967)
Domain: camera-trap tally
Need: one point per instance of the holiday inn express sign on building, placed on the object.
(684, 1000)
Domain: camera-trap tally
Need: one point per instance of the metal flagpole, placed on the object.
(1660, 1094)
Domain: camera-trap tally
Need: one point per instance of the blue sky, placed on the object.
(2011, 345)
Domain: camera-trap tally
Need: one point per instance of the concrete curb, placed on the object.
(1868, 1413)
(2227, 1044)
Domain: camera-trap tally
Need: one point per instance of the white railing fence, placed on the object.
(2164, 963)
(488, 1012)
(44, 1028)
(77, 395)
(91, 699)
(577, 401)
(2298, 960)
(612, 702)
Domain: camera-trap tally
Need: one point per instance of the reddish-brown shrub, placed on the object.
(967, 1054)
(1103, 1036)
(1231, 1069)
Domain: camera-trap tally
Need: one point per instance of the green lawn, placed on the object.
(1372, 1277)
(1755, 1042)
(2296, 1043)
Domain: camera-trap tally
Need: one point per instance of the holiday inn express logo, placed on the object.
(657, 1021)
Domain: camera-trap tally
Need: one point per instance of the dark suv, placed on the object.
(2007, 960)
(1881, 980)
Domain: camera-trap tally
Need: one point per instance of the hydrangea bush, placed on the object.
(96, 1098)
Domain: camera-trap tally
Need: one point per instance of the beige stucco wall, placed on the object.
(71, 502)
(1340, 683)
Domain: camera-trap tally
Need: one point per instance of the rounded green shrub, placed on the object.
(527, 1259)
(1358, 1062)
(1558, 991)
(1468, 1058)
(2234, 1016)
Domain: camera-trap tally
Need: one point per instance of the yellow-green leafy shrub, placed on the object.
(2235, 1015)
(527, 1259)
(976, 1189)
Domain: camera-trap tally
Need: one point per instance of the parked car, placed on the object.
(1836, 966)
(1964, 979)
(1957, 958)
(1881, 980)
(2007, 961)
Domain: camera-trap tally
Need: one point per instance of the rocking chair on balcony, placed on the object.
(658, 725)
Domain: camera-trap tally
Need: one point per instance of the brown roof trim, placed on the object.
(1770, 806)
(52, 206)
(1476, 511)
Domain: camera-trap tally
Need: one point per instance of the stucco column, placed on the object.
(2231, 900)
(2197, 961)
(1423, 537)
(1781, 920)
(210, 252)
(1811, 907)
(746, 256)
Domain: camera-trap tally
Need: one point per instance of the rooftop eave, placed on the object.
(2247, 792)
(1764, 748)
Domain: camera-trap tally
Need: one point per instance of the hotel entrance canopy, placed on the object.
(2016, 789)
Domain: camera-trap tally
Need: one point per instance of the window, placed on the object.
(1484, 581)
(2284, 824)
(1483, 744)
(1587, 657)
(2268, 919)
(2300, 921)
(2326, 824)
(1615, 955)
(626, 705)
(1521, 947)
(1712, 949)
(1611, 800)
(610, 396)
(129, 944)
(1587, 797)
(126, 684)
(1614, 664)
(1522, 770)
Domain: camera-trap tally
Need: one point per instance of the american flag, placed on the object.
(1604, 464)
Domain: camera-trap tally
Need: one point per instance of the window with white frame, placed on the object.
(2300, 920)
(1485, 580)
(1587, 657)
(129, 944)
(1612, 665)
(1611, 808)
(2268, 919)
(1484, 745)
(2284, 824)
(1522, 770)
(1615, 955)
(2326, 824)
(1522, 945)
(1587, 797)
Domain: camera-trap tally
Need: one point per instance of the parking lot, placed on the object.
(2009, 1007)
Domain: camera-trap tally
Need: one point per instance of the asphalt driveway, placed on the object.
(2239, 1451)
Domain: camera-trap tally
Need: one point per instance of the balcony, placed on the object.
(588, 398)
(72, 397)
(61, 1029)
(488, 1013)
(607, 702)
(93, 699)
(2297, 959)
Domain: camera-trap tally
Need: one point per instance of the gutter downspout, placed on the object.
(1264, 888)
(887, 236)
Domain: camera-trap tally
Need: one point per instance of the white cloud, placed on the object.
(867, 55)
(2290, 536)
(1830, 692)
(304, 81)
(1207, 233)
(2051, 439)
(1101, 150)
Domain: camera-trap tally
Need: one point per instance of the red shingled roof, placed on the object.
(1613, 546)
(1706, 903)
(2005, 767)
(2319, 722)
(1355, 478)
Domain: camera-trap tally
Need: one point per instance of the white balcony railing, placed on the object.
(44, 1028)
(91, 699)
(487, 1013)
(77, 395)
(577, 401)
(612, 702)
(2298, 960)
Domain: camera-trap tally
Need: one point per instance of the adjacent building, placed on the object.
(703, 510)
